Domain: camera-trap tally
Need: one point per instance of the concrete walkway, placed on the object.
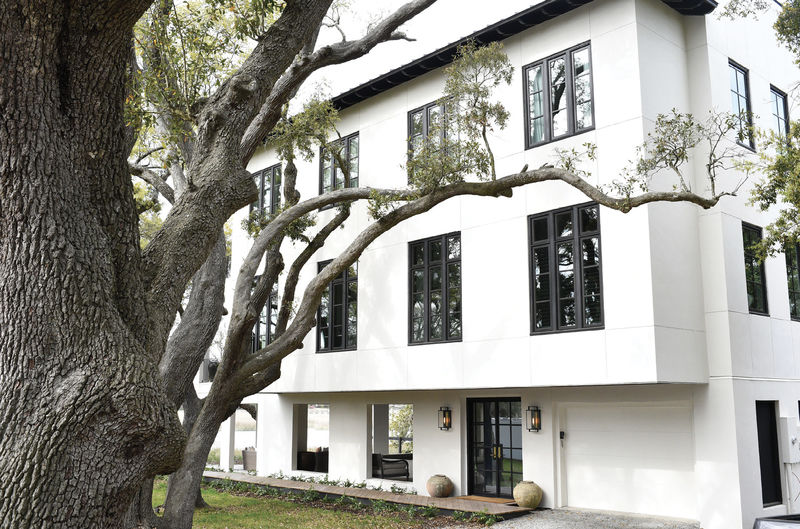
(581, 519)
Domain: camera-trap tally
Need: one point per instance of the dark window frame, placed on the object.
(323, 155)
(271, 308)
(426, 267)
(783, 131)
(275, 198)
(751, 141)
(578, 269)
(547, 103)
(750, 254)
(425, 110)
(345, 279)
(793, 269)
(769, 470)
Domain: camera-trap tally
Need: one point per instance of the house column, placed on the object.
(274, 435)
(380, 428)
(348, 438)
(227, 433)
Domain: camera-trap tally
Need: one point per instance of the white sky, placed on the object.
(444, 22)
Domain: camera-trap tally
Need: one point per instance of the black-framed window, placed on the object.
(566, 275)
(768, 452)
(780, 111)
(755, 276)
(421, 121)
(268, 183)
(435, 289)
(337, 316)
(792, 253)
(558, 96)
(264, 329)
(331, 175)
(740, 104)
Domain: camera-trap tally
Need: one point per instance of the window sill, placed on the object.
(759, 313)
(326, 351)
(565, 331)
(435, 342)
(560, 138)
(747, 146)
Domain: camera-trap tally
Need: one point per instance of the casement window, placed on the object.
(754, 270)
(565, 264)
(268, 183)
(558, 96)
(332, 176)
(421, 122)
(780, 112)
(769, 453)
(740, 104)
(435, 289)
(337, 316)
(792, 252)
(264, 329)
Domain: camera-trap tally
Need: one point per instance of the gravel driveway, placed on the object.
(575, 519)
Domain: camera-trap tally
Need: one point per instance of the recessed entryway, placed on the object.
(494, 446)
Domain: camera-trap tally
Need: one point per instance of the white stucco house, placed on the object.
(663, 359)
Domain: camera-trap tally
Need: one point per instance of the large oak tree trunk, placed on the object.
(84, 419)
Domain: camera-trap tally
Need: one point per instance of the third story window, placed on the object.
(754, 270)
(422, 122)
(792, 252)
(332, 176)
(740, 105)
(558, 96)
(566, 279)
(780, 112)
(337, 317)
(435, 289)
(268, 183)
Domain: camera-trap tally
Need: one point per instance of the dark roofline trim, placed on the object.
(501, 30)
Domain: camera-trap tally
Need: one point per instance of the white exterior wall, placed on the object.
(673, 283)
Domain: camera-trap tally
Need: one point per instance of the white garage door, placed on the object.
(630, 458)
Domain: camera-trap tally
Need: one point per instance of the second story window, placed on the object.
(421, 124)
(332, 176)
(268, 183)
(754, 270)
(558, 96)
(435, 289)
(780, 112)
(337, 316)
(264, 329)
(792, 252)
(566, 279)
(740, 104)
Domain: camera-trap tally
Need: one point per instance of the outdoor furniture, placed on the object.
(312, 461)
(391, 466)
(249, 458)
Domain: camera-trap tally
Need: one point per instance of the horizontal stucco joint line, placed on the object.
(752, 379)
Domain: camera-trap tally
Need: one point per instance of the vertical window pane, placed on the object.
(754, 271)
(435, 283)
(453, 248)
(564, 224)
(536, 104)
(582, 88)
(540, 229)
(589, 218)
(558, 99)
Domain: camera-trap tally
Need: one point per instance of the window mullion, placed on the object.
(546, 101)
(577, 259)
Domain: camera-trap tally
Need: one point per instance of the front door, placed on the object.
(494, 441)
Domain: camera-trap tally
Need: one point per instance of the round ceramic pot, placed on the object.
(528, 494)
(439, 486)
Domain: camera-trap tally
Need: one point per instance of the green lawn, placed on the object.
(241, 512)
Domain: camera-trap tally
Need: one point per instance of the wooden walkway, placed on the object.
(445, 504)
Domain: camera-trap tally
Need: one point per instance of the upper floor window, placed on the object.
(558, 96)
(566, 282)
(792, 252)
(268, 183)
(754, 270)
(780, 112)
(332, 176)
(421, 124)
(337, 316)
(435, 289)
(740, 104)
(264, 329)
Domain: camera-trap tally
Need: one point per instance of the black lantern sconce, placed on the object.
(445, 418)
(533, 418)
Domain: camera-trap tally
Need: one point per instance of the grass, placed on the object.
(228, 511)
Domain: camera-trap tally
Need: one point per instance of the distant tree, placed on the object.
(401, 425)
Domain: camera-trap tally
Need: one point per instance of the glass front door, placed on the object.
(494, 445)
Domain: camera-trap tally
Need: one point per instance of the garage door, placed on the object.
(630, 458)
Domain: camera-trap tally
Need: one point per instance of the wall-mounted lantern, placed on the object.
(445, 418)
(533, 418)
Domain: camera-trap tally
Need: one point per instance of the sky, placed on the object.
(444, 22)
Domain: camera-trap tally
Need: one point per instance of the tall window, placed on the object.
(422, 122)
(740, 104)
(268, 183)
(337, 316)
(780, 112)
(768, 452)
(792, 252)
(566, 279)
(264, 329)
(558, 96)
(332, 177)
(754, 270)
(435, 289)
